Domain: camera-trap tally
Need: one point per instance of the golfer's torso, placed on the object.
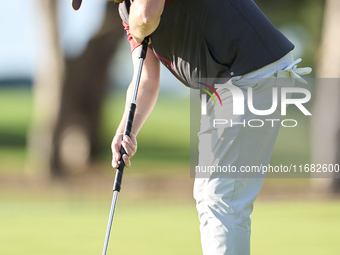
(198, 39)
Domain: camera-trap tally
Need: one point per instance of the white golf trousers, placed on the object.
(224, 204)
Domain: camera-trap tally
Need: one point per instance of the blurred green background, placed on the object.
(41, 213)
(155, 212)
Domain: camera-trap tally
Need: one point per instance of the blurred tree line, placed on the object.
(307, 14)
(68, 95)
(69, 92)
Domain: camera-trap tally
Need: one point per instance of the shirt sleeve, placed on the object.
(133, 43)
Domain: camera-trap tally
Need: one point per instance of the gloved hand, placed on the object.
(295, 72)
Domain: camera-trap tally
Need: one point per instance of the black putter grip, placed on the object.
(144, 47)
(120, 170)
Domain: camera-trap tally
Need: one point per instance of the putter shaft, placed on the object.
(128, 128)
(109, 224)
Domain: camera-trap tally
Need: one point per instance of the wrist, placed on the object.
(119, 132)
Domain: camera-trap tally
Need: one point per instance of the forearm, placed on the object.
(144, 17)
(147, 92)
(146, 100)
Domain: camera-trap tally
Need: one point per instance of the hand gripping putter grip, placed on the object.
(119, 172)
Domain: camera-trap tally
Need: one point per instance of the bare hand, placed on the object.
(130, 146)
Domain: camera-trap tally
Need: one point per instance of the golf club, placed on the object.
(128, 127)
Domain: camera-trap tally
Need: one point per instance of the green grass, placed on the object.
(164, 139)
(293, 143)
(38, 227)
(296, 228)
(79, 228)
(15, 110)
(15, 115)
(165, 134)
